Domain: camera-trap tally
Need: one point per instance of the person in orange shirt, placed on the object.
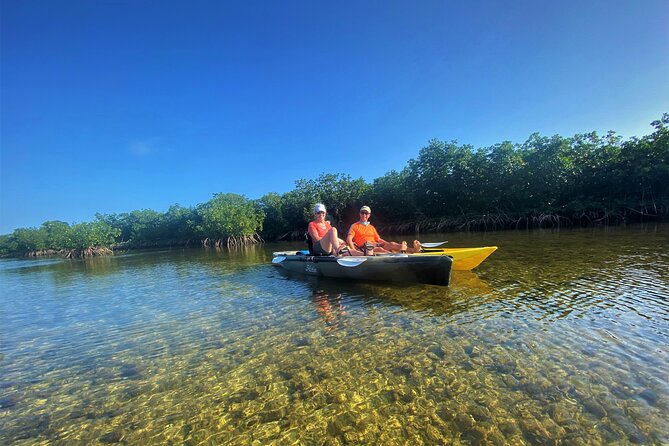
(363, 232)
(324, 237)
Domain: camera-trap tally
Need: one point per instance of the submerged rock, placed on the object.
(7, 402)
(560, 414)
(473, 351)
(475, 435)
(111, 437)
(129, 371)
(649, 396)
(594, 407)
(480, 413)
(464, 422)
(301, 342)
(509, 428)
(534, 431)
(341, 423)
(445, 414)
(437, 351)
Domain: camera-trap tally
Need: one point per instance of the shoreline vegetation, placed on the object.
(545, 182)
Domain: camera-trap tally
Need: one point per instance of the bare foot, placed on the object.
(415, 248)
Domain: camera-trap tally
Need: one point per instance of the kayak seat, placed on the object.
(310, 244)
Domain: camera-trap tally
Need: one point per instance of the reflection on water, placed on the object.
(559, 337)
(329, 307)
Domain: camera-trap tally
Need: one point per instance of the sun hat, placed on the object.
(366, 208)
(319, 208)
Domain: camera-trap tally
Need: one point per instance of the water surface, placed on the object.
(559, 337)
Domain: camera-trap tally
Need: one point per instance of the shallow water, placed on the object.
(559, 337)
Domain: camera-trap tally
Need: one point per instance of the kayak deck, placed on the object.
(464, 259)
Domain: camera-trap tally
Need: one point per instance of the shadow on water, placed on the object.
(466, 292)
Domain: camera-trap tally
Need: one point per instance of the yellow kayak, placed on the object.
(464, 259)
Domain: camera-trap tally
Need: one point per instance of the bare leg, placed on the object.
(351, 251)
(392, 247)
(330, 241)
(416, 247)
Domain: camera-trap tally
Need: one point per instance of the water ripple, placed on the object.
(560, 337)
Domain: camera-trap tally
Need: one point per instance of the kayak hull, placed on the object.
(435, 270)
(464, 259)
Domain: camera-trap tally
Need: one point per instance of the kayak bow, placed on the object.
(464, 259)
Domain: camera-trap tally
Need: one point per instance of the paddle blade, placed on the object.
(433, 244)
(351, 262)
(278, 259)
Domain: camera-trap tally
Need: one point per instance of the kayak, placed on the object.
(464, 259)
(432, 269)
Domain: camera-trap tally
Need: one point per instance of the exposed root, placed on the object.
(72, 253)
(233, 241)
(548, 220)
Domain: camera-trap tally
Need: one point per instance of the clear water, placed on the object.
(558, 338)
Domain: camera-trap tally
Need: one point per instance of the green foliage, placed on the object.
(388, 197)
(230, 215)
(29, 239)
(275, 225)
(337, 191)
(178, 223)
(291, 211)
(94, 234)
(57, 235)
(7, 245)
(543, 174)
(143, 224)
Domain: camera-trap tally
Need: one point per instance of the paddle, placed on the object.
(433, 244)
(351, 262)
(278, 259)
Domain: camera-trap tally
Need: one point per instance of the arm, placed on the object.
(378, 239)
(349, 238)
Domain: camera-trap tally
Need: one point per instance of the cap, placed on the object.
(319, 208)
(366, 208)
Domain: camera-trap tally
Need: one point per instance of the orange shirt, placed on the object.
(320, 230)
(363, 233)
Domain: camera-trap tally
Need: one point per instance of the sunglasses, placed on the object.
(364, 212)
(321, 212)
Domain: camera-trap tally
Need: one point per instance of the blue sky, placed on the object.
(109, 106)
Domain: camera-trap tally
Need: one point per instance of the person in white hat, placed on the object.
(362, 235)
(324, 237)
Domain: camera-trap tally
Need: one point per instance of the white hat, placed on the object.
(319, 208)
(366, 208)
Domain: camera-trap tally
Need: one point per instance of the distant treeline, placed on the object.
(545, 181)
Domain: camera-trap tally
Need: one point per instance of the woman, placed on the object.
(323, 236)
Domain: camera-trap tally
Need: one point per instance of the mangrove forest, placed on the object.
(543, 182)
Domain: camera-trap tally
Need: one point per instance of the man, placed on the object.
(363, 232)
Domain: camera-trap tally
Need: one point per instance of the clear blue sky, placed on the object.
(110, 106)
